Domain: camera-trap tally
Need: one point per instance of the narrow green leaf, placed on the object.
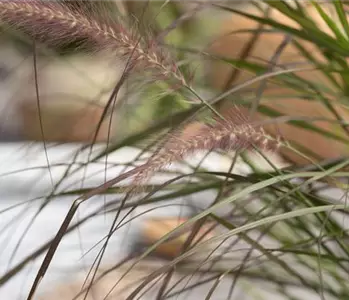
(305, 22)
(245, 192)
(320, 39)
(330, 23)
(304, 125)
(342, 15)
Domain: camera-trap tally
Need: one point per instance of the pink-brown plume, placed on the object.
(230, 134)
(54, 23)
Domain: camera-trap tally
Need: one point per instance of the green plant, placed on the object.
(309, 239)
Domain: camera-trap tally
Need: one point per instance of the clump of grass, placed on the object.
(54, 23)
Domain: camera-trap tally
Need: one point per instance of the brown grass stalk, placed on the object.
(55, 24)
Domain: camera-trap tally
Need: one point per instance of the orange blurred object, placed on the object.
(73, 123)
(155, 229)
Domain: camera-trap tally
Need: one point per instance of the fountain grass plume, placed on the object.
(232, 133)
(54, 24)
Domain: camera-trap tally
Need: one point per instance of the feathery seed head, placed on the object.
(56, 24)
(231, 134)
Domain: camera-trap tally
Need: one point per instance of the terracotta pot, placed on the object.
(73, 93)
(155, 229)
(64, 123)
